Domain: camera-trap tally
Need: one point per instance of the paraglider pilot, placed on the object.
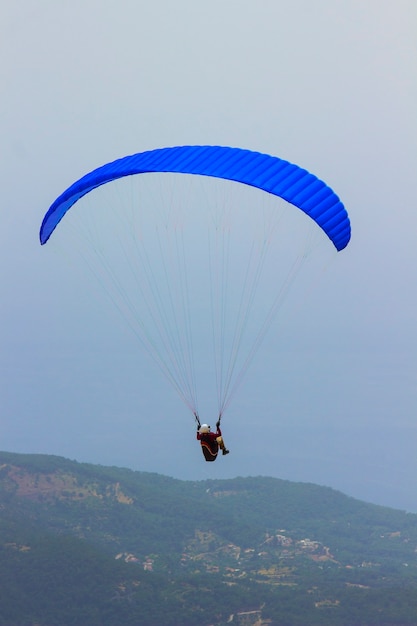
(210, 442)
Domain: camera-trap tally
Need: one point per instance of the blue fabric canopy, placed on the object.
(269, 173)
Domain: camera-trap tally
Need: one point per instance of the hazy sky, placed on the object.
(330, 85)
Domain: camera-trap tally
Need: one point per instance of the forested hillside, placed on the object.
(84, 544)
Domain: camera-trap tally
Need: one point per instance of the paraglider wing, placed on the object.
(269, 173)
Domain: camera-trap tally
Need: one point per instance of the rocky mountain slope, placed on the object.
(104, 545)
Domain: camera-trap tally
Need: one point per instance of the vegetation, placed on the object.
(85, 544)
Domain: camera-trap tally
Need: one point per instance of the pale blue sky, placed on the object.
(330, 85)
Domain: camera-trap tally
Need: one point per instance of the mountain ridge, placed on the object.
(269, 548)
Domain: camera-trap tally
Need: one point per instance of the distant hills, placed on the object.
(90, 545)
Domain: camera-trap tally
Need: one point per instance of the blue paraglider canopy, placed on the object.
(269, 173)
(199, 278)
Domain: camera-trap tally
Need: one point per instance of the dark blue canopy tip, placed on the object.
(269, 173)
